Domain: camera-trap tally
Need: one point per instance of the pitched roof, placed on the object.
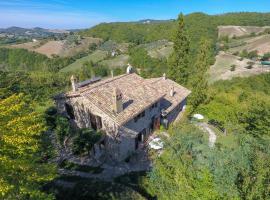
(138, 94)
(164, 85)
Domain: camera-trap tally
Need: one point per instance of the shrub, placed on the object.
(217, 124)
(50, 117)
(252, 34)
(266, 57)
(233, 68)
(236, 53)
(253, 54)
(85, 140)
(267, 31)
(249, 67)
(62, 129)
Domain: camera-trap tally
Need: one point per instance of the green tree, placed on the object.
(62, 129)
(199, 80)
(255, 184)
(257, 118)
(87, 71)
(22, 170)
(85, 140)
(179, 61)
(175, 175)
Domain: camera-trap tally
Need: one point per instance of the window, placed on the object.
(70, 111)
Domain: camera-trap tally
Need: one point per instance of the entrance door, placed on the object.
(157, 124)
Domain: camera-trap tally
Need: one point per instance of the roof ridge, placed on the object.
(105, 81)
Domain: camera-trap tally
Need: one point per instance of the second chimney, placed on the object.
(172, 91)
(117, 100)
(164, 76)
(73, 83)
(112, 74)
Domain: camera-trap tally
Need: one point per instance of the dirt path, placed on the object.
(212, 135)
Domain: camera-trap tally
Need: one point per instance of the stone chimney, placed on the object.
(164, 76)
(172, 91)
(129, 69)
(117, 100)
(73, 83)
(112, 75)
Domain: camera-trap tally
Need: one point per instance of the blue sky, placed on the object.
(86, 13)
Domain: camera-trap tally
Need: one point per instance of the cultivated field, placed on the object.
(94, 57)
(238, 31)
(221, 70)
(59, 48)
(83, 46)
(118, 61)
(51, 48)
(159, 49)
(259, 43)
(31, 46)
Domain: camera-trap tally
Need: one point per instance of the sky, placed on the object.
(73, 14)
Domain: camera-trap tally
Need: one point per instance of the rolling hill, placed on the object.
(238, 31)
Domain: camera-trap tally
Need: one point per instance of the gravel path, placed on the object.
(212, 134)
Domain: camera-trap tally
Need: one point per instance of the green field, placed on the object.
(158, 49)
(118, 61)
(94, 57)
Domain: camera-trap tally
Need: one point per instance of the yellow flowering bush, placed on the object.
(21, 172)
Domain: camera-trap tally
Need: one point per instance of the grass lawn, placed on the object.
(228, 140)
(95, 57)
(163, 52)
(118, 61)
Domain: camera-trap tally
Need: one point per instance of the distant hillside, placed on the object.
(198, 24)
(18, 31)
(18, 35)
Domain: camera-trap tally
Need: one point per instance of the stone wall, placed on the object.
(119, 142)
(144, 123)
(171, 117)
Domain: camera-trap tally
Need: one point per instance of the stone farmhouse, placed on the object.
(128, 108)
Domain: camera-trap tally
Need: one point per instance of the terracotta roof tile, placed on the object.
(138, 94)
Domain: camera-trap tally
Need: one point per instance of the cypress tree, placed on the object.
(179, 60)
(199, 81)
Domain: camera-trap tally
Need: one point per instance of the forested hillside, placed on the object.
(198, 24)
(24, 60)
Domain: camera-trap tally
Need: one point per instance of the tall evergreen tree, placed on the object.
(199, 79)
(179, 60)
